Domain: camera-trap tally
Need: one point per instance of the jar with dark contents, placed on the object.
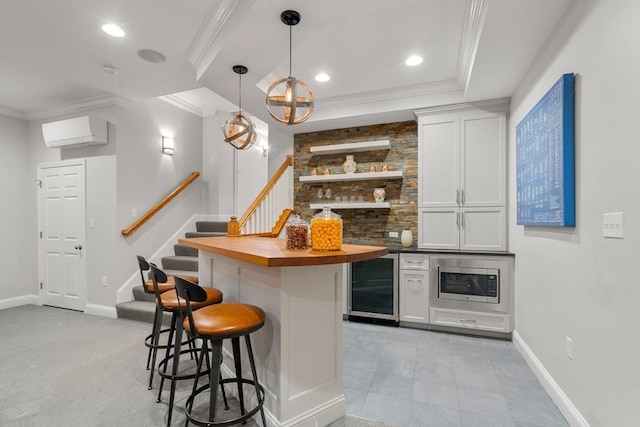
(297, 231)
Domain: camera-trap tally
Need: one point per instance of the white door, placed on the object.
(61, 221)
(483, 229)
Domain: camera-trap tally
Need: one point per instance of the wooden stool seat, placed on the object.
(170, 300)
(226, 320)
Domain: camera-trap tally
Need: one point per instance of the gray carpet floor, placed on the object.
(65, 368)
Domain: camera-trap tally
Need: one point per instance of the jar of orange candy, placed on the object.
(326, 231)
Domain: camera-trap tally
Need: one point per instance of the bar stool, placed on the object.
(153, 339)
(168, 302)
(213, 324)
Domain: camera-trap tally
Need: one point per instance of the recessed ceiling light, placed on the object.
(413, 60)
(323, 77)
(113, 30)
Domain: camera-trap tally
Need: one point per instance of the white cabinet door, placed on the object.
(483, 160)
(414, 296)
(483, 229)
(439, 228)
(439, 161)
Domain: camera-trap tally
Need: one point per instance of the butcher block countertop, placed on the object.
(272, 252)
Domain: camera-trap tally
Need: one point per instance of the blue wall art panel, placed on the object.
(545, 166)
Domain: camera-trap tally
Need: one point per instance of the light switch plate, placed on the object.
(613, 225)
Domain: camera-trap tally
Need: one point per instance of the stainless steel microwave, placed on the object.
(469, 284)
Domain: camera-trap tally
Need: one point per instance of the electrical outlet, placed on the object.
(134, 212)
(569, 348)
(104, 281)
(393, 234)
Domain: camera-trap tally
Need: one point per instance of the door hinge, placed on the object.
(40, 285)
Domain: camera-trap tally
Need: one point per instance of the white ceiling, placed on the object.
(52, 54)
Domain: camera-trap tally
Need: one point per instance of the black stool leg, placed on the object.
(204, 352)
(235, 342)
(174, 370)
(155, 342)
(255, 379)
(174, 321)
(214, 377)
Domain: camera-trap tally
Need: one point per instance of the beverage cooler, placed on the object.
(373, 289)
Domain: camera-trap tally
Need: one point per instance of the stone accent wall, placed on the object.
(363, 226)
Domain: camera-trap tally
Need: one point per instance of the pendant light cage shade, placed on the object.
(290, 100)
(239, 131)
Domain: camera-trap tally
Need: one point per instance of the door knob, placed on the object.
(78, 247)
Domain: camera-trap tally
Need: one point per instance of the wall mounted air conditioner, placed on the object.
(75, 132)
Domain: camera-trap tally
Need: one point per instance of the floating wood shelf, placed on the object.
(363, 205)
(352, 147)
(364, 176)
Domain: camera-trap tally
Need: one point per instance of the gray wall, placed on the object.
(573, 282)
(18, 270)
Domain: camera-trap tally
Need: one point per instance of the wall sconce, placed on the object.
(167, 145)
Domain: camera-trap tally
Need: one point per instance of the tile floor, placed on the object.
(410, 378)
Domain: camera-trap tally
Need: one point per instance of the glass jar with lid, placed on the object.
(326, 231)
(297, 232)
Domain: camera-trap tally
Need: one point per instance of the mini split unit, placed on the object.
(75, 132)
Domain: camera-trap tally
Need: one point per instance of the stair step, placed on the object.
(140, 295)
(182, 250)
(141, 311)
(212, 226)
(191, 234)
(184, 263)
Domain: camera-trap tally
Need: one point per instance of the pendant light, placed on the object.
(289, 100)
(239, 131)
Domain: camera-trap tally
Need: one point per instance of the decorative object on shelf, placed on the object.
(352, 198)
(314, 172)
(293, 108)
(320, 194)
(327, 171)
(349, 166)
(338, 199)
(372, 168)
(326, 231)
(297, 233)
(239, 131)
(360, 198)
(379, 194)
(385, 168)
(406, 238)
(327, 193)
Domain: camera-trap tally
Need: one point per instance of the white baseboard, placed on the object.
(569, 411)
(101, 310)
(18, 301)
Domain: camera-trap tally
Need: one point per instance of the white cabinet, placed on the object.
(466, 229)
(414, 288)
(462, 179)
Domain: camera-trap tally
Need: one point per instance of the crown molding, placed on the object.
(209, 39)
(497, 105)
(182, 104)
(474, 21)
(16, 114)
(75, 107)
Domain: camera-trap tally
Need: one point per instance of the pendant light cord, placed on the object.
(239, 94)
(290, 48)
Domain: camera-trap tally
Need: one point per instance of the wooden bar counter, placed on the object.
(299, 349)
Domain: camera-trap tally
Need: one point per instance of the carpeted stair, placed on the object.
(183, 262)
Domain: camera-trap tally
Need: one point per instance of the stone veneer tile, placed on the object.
(363, 226)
